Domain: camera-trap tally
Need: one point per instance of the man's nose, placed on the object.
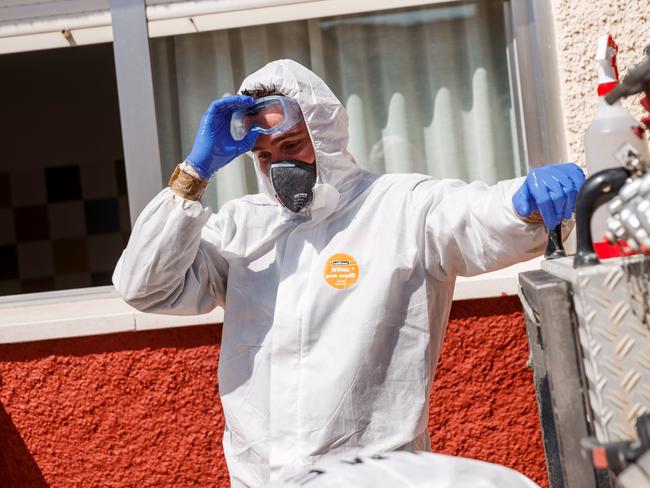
(278, 155)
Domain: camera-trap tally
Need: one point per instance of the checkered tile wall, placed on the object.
(61, 227)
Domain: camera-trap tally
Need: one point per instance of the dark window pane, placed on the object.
(37, 284)
(5, 190)
(73, 171)
(32, 223)
(8, 262)
(63, 184)
(102, 216)
(101, 278)
(70, 255)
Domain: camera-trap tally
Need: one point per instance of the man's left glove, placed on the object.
(551, 190)
(214, 146)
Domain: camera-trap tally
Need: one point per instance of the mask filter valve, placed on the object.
(300, 200)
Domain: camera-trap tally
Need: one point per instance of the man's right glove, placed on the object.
(551, 190)
(213, 146)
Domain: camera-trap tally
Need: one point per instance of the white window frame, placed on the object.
(97, 310)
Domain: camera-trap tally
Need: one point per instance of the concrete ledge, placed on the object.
(82, 312)
(500, 283)
(101, 310)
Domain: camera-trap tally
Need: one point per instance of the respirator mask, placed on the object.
(293, 182)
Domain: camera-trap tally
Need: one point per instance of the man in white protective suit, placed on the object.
(336, 283)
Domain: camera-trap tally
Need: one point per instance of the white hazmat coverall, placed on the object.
(333, 321)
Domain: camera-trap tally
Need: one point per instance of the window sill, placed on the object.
(100, 310)
(82, 312)
(500, 283)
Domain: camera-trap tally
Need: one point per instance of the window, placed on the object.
(426, 88)
(64, 215)
(431, 89)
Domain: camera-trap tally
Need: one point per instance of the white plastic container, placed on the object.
(612, 134)
(403, 469)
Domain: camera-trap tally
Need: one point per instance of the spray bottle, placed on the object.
(612, 134)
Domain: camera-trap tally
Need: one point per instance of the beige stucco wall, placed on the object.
(578, 23)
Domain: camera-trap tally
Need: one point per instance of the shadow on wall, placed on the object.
(17, 466)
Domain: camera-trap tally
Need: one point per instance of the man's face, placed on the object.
(292, 144)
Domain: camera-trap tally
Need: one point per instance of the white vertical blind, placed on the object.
(426, 88)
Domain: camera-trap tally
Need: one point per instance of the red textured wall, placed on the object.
(142, 409)
(483, 400)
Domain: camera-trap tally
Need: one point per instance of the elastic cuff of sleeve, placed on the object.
(186, 185)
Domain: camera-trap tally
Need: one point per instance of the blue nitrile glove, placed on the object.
(551, 190)
(213, 146)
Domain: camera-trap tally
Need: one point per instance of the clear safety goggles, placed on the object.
(268, 115)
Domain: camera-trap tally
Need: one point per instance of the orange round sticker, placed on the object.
(341, 271)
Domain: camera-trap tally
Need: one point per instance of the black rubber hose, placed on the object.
(598, 189)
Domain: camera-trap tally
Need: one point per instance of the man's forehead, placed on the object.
(262, 114)
(277, 138)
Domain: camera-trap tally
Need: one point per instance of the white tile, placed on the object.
(7, 230)
(67, 219)
(104, 250)
(28, 187)
(98, 180)
(35, 259)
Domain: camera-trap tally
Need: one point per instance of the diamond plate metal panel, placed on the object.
(559, 381)
(611, 302)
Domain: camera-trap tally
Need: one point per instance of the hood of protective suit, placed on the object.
(327, 121)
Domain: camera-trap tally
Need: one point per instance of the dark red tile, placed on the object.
(36, 285)
(70, 255)
(31, 223)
